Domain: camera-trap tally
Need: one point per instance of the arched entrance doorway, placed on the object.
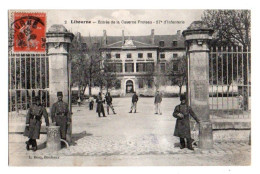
(129, 86)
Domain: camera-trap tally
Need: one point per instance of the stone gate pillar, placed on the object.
(58, 40)
(197, 38)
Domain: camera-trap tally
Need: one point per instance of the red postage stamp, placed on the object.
(29, 32)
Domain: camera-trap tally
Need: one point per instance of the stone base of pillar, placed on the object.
(205, 135)
(53, 138)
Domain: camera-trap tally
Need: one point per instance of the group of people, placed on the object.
(59, 114)
(60, 117)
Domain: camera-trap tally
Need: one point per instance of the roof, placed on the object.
(138, 41)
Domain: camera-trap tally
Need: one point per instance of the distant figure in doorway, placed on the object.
(134, 103)
(100, 107)
(157, 103)
(109, 103)
(91, 102)
(33, 123)
(182, 129)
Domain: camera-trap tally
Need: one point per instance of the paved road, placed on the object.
(129, 139)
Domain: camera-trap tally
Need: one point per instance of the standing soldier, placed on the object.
(60, 115)
(134, 102)
(100, 107)
(109, 103)
(33, 123)
(91, 102)
(182, 129)
(157, 102)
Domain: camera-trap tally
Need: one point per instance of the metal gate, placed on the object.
(230, 82)
(28, 76)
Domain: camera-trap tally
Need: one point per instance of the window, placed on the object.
(140, 55)
(149, 67)
(118, 56)
(162, 56)
(174, 55)
(161, 43)
(140, 67)
(174, 43)
(150, 83)
(175, 67)
(129, 55)
(118, 67)
(129, 67)
(141, 83)
(163, 67)
(149, 55)
(108, 56)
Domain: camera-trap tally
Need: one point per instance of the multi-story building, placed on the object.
(139, 60)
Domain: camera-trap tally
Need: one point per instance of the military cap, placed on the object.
(182, 97)
(59, 93)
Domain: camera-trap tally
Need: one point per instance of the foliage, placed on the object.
(232, 27)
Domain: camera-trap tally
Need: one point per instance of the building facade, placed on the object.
(141, 61)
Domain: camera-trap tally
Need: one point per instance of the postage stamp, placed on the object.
(29, 32)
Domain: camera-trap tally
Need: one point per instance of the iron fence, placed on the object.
(230, 82)
(28, 77)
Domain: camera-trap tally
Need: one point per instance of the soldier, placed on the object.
(157, 103)
(60, 115)
(134, 102)
(33, 123)
(182, 129)
(109, 103)
(100, 107)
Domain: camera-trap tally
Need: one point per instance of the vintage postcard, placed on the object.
(129, 87)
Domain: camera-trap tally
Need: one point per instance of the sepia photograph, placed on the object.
(129, 87)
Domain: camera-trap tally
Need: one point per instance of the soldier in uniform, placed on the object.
(33, 123)
(60, 115)
(109, 103)
(134, 102)
(100, 107)
(182, 129)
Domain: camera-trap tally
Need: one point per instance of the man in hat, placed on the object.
(100, 107)
(33, 123)
(60, 115)
(109, 103)
(182, 129)
(134, 102)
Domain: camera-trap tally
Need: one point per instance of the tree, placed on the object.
(85, 60)
(177, 72)
(232, 27)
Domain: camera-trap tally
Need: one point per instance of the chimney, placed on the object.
(104, 38)
(123, 37)
(152, 36)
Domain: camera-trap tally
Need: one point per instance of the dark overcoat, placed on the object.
(33, 118)
(182, 127)
(100, 101)
(60, 115)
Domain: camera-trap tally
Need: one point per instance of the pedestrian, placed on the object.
(182, 129)
(157, 103)
(109, 103)
(33, 123)
(79, 101)
(91, 102)
(134, 103)
(100, 107)
(60, 115)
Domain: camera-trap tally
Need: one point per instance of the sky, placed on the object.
(185, 18)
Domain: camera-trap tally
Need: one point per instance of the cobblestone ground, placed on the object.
(124, 136)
